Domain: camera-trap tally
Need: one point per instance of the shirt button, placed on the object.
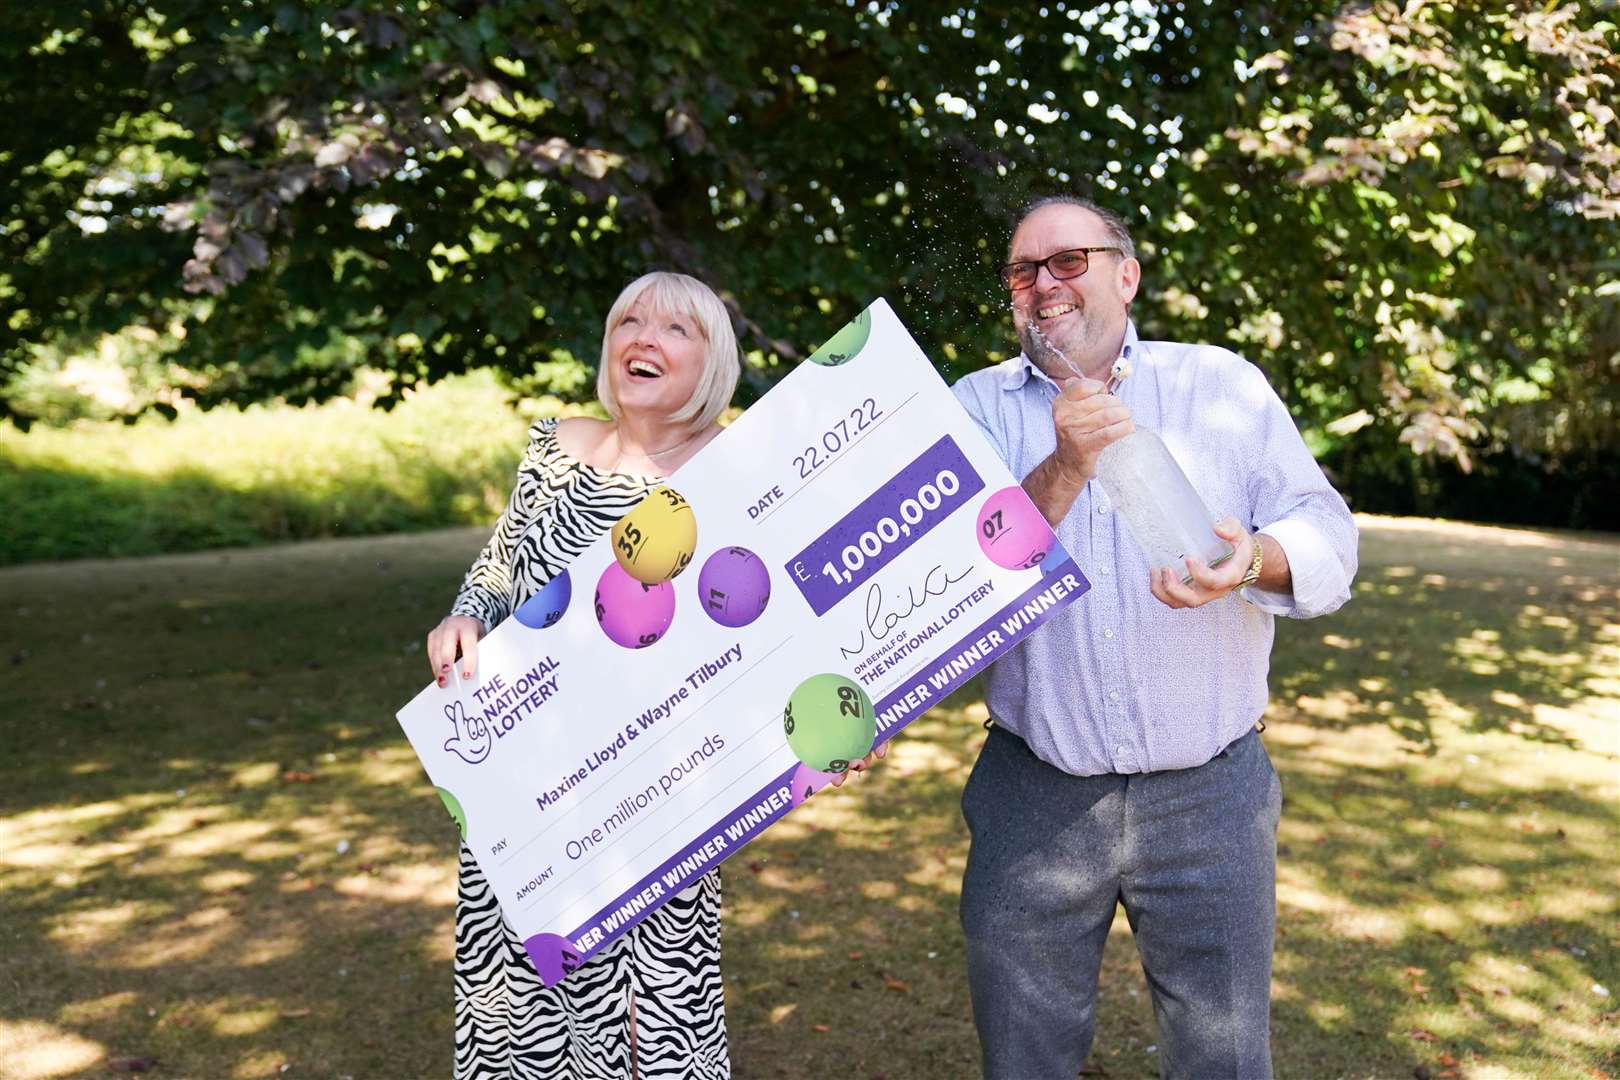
(1122, 751)
(1113, 695)
(1108, 633)
(1102, 509)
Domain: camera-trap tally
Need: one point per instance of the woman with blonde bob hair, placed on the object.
(649, 1005)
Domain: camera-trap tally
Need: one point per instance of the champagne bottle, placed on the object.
(1163, 510)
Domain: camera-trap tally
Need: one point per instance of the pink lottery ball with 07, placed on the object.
(1012, 533)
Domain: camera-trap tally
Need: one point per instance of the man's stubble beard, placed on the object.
(1061, 361)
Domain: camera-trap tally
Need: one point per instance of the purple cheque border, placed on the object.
(1049, 576)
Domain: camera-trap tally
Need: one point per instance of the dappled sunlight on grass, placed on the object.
(30, 1050)
(225, 857)
(1515, 637)
(194, 874)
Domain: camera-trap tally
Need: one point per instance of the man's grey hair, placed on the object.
(1118, 231)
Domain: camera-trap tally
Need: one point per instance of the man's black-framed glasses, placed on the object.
(1062, 265)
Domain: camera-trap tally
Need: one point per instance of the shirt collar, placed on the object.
(1024, 368)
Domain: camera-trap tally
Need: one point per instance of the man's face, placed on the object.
(1083, 317)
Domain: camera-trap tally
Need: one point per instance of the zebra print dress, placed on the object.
(650, 1006)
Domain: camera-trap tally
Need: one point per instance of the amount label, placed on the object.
(886, 523)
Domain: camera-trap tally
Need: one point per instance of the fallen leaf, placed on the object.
(1447, 1060)
(1414, 971)
(820, 1029)
(899, 986)
(294, 1014)
(856, 954)
(1421, 1036)
(294, 776)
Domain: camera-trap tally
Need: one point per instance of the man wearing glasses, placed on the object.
(1124, 765)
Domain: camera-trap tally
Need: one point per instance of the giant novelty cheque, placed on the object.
(840, 558)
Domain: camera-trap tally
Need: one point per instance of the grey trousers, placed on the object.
(1192, 854)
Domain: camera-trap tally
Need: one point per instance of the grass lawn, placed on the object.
(220, 859)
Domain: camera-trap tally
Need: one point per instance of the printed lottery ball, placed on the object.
(554, 957)
(1012, 533)
(843, 346)
(457, 814)
(655, 541)
(545, 607)
(734, 586)
(633, 614)
(807, 781)
(829, 722)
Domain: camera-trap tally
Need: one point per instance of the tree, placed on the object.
(1406, 213)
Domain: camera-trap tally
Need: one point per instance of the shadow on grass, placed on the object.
(173, 886)
(1485, 628)
(219, 853)
(1420, 917)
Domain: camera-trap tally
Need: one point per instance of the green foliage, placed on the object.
(1406, 213)
(227, 477)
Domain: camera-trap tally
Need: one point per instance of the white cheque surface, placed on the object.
(593, 780)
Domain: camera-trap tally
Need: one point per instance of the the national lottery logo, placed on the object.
(469, 735)
(499, 706)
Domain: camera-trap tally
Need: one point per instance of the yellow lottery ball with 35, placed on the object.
(656, 541)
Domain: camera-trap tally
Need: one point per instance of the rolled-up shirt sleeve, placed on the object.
(1321, 582)
(1293, 503)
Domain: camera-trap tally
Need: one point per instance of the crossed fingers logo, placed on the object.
(469, 736)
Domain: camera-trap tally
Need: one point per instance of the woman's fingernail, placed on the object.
(466, 674)
(446, 667)
(441, 680)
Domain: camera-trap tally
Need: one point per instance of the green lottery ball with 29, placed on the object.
(829, 722)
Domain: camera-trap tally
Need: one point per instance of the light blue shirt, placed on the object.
(1117, 682)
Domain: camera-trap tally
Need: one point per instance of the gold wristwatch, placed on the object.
(1254, 564)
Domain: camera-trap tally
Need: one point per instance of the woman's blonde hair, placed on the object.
(678, 294)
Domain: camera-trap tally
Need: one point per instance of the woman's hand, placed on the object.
(857, 767)
(455, 633)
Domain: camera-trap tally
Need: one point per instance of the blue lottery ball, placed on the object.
(545, 607)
